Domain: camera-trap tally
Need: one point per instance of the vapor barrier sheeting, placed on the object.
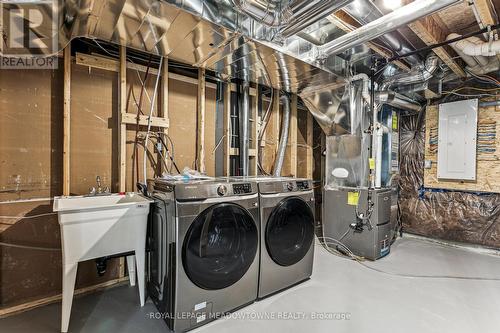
(450, 215)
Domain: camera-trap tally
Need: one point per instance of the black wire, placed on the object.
(168, 153)
(433, 46)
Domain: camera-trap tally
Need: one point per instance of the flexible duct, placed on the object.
(365, 11)
(418, 74)
(280, 156)
(244, 129)
(386, 23)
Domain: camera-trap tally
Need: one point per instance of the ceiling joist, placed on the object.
(485, 15)
(431, 32)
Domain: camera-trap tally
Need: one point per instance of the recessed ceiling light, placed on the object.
(392, 4)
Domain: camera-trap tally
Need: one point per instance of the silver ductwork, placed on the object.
(289, 17)
(365, 11)
(206, 34)
(418, 74)
(285, 125)
(324, 104)
(347, 152)
(396, 100)
(384, 24)
(316, 10)
(270, 13)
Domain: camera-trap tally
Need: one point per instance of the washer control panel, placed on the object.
(242, 188)
(302, 185)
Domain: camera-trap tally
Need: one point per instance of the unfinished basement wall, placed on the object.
(31, 150)
(31, 159)
(31, 130)
(454, 215)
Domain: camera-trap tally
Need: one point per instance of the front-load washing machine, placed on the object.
(204, 244)
(286, 232)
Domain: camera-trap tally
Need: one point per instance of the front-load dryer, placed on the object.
(286, 232)
(204, 249)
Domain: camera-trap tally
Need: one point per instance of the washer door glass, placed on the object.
(289, 231)
(219, 247)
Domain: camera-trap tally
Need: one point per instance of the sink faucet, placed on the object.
(99, 189)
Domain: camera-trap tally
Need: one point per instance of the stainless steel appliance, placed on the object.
(347, 218)
(286, 232)
(204, 241)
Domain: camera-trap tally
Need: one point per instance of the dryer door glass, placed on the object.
(219, 247)
(289, 231)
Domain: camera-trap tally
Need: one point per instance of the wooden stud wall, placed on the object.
(116, 74)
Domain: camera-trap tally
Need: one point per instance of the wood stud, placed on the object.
(200, 140)
(310, 143)
(164, 102)
(227, 129)
(292, 136)
(67, 120)
(122, 134)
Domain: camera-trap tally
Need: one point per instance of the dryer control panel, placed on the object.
(303, 185)
(242, 188)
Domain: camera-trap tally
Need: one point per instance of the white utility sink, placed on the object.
(98, 226)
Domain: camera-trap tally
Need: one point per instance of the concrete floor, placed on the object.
(352, 297)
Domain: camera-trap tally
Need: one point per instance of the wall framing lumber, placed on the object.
(67, 120)
(236, 152)
(122, 135)
(164, 102)
(57, 298)
(131, 119)
(293, 136)
(200, 141)
(227, 129)
(113, 65)
(310, 144)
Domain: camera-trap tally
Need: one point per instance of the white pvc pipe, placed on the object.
(476, 47)
(380, 130)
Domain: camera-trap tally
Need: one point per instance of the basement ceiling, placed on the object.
(162, 28)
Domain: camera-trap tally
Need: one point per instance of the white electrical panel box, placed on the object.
(457, 140)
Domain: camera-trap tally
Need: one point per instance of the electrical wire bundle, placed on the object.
(487, 139)
(341, 250)
(433, 140)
